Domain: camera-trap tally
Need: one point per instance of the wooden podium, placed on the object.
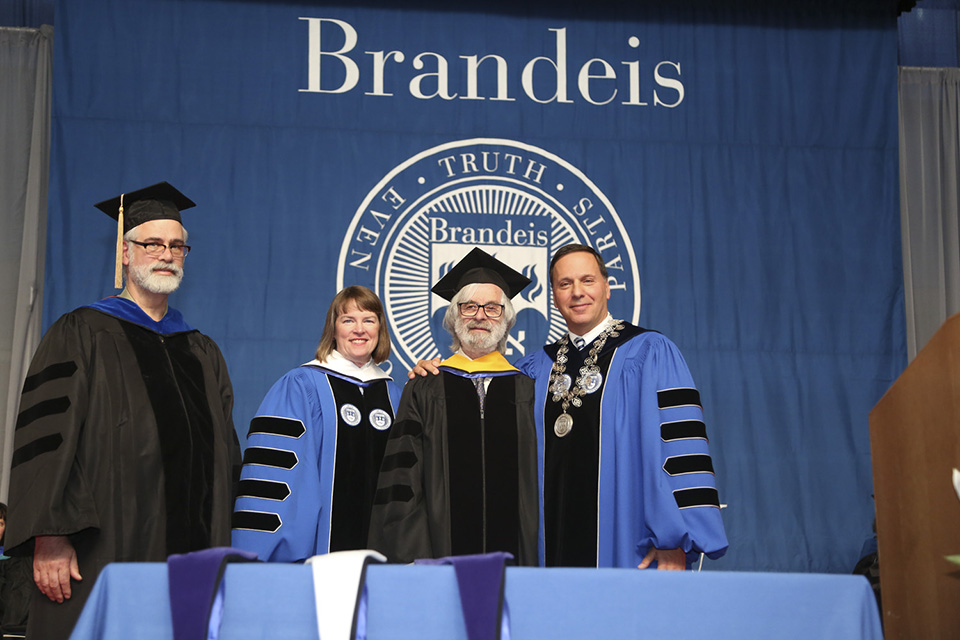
(915, 442)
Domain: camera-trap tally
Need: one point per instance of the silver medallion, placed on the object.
(380, 419)
(563, 384)
(592, 381)
(563, 425)
(351, 415)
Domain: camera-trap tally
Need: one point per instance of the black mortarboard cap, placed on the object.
(480, 266)
(161, 201)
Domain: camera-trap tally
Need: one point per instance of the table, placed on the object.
(422, 603)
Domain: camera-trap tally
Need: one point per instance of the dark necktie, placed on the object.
(579, 342)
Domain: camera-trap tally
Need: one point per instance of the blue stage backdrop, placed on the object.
(737, 165)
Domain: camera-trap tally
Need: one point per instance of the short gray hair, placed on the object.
(509, 317)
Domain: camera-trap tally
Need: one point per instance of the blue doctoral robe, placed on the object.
(642, 504)
(312, 459)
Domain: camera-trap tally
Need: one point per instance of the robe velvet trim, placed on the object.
(124, 309)
(482, 457)
(185, 431)
(571, 466)
(358, 456)
(178, 402)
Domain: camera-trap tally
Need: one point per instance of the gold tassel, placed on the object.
(118, 270)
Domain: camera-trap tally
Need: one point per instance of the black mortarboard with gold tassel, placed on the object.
(161, 201)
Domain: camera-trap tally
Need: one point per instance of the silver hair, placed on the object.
(509, 317)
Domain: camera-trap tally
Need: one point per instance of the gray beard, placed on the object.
(147, 280)
(485, 342)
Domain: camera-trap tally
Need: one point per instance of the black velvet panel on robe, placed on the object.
(359, 453)
(482, 455)
(173, 379)
(572, 466)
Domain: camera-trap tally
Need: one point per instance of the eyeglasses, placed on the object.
(155, 249)
(470, 309)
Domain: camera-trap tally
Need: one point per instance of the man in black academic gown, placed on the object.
(124, 448)
(459, 475)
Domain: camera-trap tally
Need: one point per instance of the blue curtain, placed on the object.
(737, 166)
(26, 13)
(929, 35)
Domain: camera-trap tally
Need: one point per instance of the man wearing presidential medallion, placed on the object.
(124, 448)
(627, 478)
(459, 475)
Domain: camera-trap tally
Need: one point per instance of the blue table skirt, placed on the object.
(422, 602)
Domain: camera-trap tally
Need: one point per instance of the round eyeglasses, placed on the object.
(156, 249)
(470, 309)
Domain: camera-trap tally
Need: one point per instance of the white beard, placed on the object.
(483, 342)
(147, 280)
